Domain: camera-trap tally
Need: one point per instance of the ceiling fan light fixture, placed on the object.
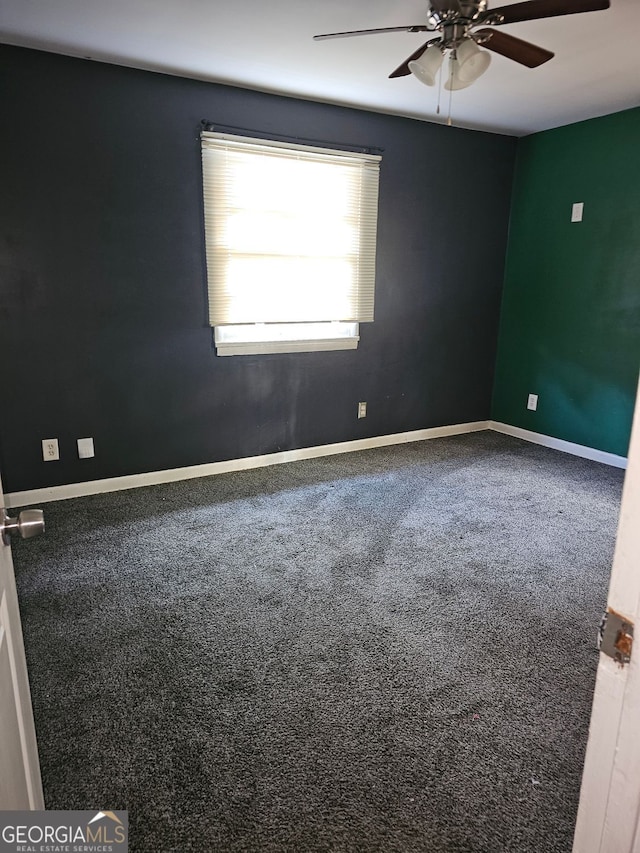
(426, 67)
(471, 61)
(454, 82)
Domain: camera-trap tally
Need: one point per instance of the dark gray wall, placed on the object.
(103, 326)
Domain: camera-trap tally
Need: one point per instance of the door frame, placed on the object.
(609, 811)
(12, 631)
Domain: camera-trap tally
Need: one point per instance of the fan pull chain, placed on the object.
(452, 59)
(439, 89)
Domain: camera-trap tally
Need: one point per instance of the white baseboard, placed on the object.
(560, 444)
(152, 478)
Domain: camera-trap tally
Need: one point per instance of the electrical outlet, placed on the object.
(362, 410)
(85, 448)
(50, 450)
(532, 402)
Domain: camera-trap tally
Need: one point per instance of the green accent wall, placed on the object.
(570, 321)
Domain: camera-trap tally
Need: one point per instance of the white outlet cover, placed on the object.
(576, 211)
(362, 410)
(85, 448)
(50, 449)
(532, 402)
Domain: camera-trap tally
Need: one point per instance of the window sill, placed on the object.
(265, 347)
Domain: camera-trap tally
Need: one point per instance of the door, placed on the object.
(20, 784)
(609, 811)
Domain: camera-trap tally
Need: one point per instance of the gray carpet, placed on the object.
(390, 650)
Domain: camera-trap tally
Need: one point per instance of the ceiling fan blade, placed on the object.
(414, 28)
(532, 9)
(520, 51)
(403, 70)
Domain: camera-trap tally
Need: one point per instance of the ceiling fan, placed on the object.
(463, 25)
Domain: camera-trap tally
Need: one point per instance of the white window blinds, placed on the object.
(290, 232)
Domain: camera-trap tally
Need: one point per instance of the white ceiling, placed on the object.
(267, 45)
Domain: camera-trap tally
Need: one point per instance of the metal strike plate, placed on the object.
(616, 637)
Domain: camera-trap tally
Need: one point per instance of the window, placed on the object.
(291, 242)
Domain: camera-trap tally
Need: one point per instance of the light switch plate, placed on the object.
(85, 448)
(576, 211)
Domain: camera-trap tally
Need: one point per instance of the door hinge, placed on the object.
(615, 637)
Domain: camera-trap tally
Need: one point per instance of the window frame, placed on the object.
(318, 334)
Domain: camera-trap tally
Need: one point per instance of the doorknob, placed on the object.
(29, 523)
